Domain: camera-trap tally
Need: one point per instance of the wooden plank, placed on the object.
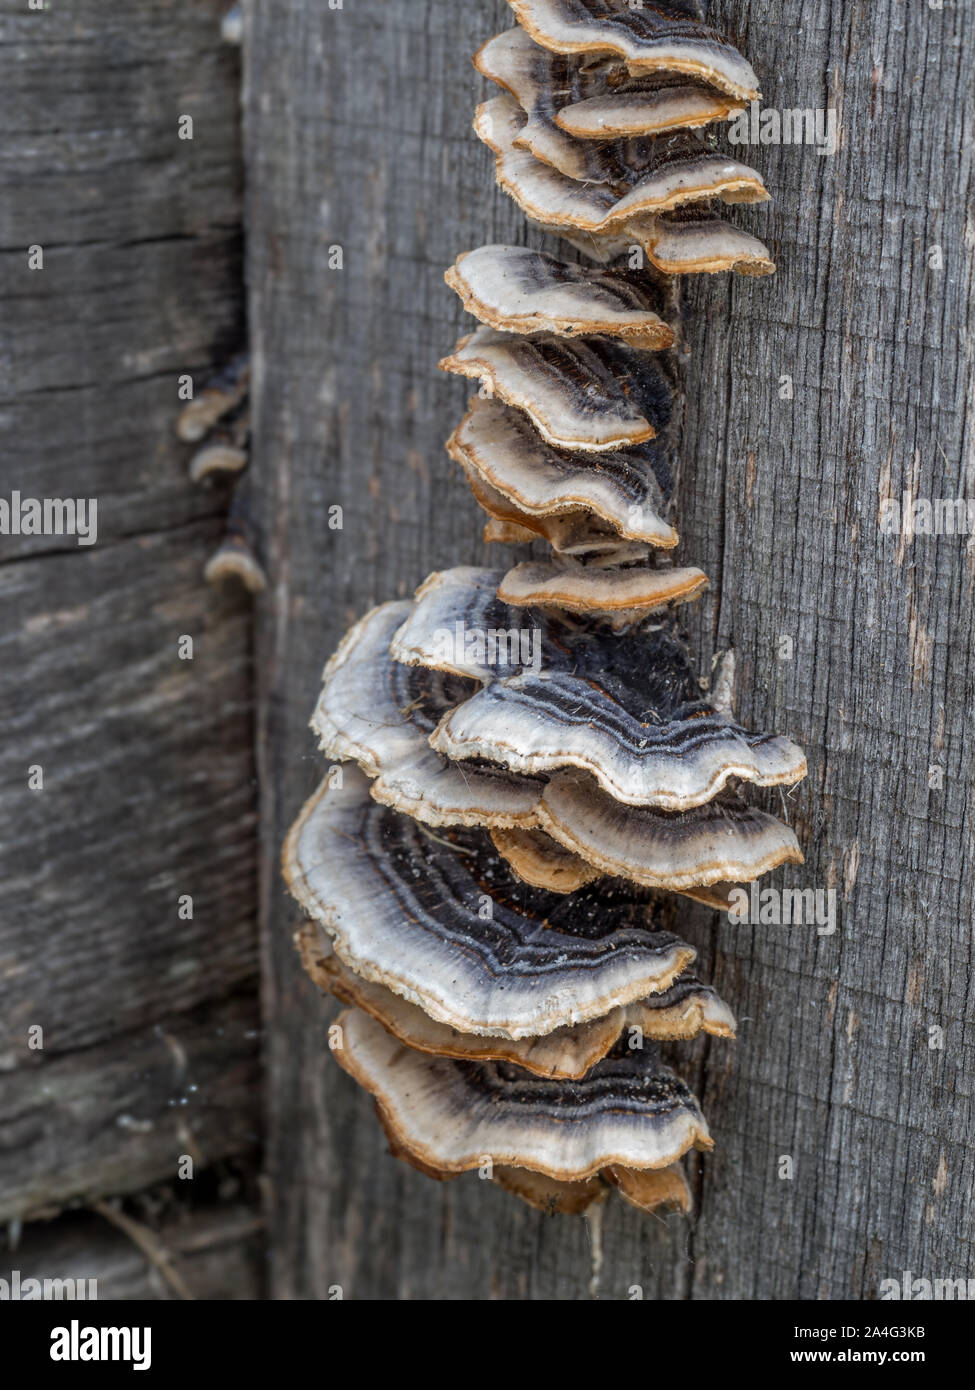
(142, 251)
(147, 793)
(148, 788)
(836, 1068)
(215, 1252)
(356, 134)
(118, 1116)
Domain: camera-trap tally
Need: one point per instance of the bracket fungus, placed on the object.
(519, 291)
(533, 780)
(652, 1189)
(678, 171)
(445, 923)
(625, 707)
(226, 391)
(683, 1010)
(694, 240)
(648, 38)
(623, 592)
(578, 393)
(596, 99)
(381, 714)
(628, 1110)
(218, 419)
(628, 489)
(622, 114)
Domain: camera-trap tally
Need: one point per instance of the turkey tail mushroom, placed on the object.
(532, 781)
(681, 1011)
(382, 714)
(628, 1111)
(218, 420)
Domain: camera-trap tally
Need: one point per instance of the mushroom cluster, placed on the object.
(529, 780)
(218, 423)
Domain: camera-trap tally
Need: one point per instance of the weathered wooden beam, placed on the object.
(129, 1112)
(357, 136)
(861, 646)
(142, 790)
(141, 241)
(211, 1252)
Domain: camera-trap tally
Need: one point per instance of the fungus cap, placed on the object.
(718, 843)
(443, 922)
(629, 489)
(221, 395)
(651, 112)
(592, 394)
(628, 1111)
(569, 533)
(623, 594)
(515, 290)
(687, 1008)
(696, 241)
(648, 39)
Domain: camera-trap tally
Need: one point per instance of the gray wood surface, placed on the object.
(150, 1022)
(211, 1253)
(357, 134)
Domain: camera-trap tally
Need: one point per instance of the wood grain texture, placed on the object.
(142, 251)
(836, 1068)
(357, 134)
(148, 790)
(119, 1116)
(215, 1251)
